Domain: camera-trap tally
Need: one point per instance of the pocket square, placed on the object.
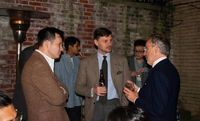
(119, 72)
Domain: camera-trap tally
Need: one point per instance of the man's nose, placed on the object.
(110, 43)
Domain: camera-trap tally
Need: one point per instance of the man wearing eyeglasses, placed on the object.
(137, 63)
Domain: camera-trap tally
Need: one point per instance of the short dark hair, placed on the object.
(5, 100)
(48, 33)
(127, 113)
(71, 40)
(100, 32)
(139, 42)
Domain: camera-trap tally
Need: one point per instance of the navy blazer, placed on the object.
(158, 97)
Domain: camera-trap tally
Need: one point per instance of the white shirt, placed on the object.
(158, 60)
(49, 60)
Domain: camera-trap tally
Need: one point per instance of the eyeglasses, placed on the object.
(139, 51)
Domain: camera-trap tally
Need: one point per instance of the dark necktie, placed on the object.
(105, 73)
(105, 70)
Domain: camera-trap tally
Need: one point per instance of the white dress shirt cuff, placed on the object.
(92, 92)
(138, 89)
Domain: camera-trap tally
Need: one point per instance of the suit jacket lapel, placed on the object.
(116, 69)
(113, 67)
(44, 61)
(94, 69)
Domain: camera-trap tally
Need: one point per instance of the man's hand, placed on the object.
(100, 90)
(134, 73)
(131, 94)
(138, 72)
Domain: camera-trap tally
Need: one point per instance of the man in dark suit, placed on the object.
(44, 94)
(158, 96)
(87, 83)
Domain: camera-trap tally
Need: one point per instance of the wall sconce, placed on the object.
(20, 22)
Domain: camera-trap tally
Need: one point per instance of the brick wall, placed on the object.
(128, 21)
(186, 45)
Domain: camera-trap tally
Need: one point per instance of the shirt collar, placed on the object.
(48, 59)
(101, 55)
(158, 60)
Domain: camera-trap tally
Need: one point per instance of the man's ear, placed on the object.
(157, 49)
(96, 42)
(46, 44)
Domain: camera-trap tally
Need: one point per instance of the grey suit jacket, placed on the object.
(88, 77)
(44, 98)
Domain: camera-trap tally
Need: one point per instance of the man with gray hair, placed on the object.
(159, 94)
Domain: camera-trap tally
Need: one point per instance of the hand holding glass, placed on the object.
(129, 86)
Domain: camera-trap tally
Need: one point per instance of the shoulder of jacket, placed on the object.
(130, 57)
(91, 57)
(37, 58)
(117, 56)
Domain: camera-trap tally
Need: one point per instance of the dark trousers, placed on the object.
(74, 113)
(102, 110)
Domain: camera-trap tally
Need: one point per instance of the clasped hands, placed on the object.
(131, 91)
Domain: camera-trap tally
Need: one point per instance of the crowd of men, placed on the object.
(56, 85)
